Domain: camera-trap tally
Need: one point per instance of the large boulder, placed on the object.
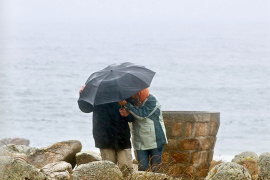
(228, 171)
(20, 156)
(249, 160)
(245, 156)
(16, 141)
(85, 157)
(144, 175)
(11, 148)
(11, 168)
(57, 171)
(214, 163)
(97, 170)
(61, 151)
(264, 166)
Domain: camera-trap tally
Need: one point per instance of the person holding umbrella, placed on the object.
(149, 134)
(111, 134)
(100, 95)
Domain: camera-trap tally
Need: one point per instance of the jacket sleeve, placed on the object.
(85, 107)
(129, 118)
(143, 111)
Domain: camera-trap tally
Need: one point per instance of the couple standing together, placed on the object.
(112, 133)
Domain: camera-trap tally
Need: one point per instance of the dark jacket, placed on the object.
(110, 129)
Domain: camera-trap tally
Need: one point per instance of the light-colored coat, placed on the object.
(148, 127)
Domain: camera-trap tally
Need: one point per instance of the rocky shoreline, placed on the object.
(65, 161)
(246, 165)
(61, 161)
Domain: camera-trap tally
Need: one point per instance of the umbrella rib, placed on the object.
(98, 88)
(146, 85)
(102, 80)
(97, 75)
(138, 78)
(120, 91)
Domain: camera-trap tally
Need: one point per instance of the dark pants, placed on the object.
(154, 155)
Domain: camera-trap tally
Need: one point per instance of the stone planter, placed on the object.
(191, 140)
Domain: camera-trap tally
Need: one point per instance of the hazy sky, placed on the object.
(134, 10)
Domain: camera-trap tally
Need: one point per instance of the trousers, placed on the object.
(121, 157)
(150, 159)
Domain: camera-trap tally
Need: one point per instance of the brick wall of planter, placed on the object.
(191, 141)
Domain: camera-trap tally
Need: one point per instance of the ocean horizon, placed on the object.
(199, 67)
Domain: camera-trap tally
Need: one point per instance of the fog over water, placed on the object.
(208, 55)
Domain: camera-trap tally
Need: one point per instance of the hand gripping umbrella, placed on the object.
(114, 83)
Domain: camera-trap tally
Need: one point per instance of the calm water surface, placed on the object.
(211, 67)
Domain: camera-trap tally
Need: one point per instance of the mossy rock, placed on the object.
(13, 168)
(245, 156)
(264, 166)
(228, 171)
(98, 170)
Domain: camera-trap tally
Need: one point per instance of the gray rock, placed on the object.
(16, 141)
(19, 149)
(245, 156)
(144, 175)
(20, 156)
(249, 160)
(11, 168)
(57, 171)
(61, 151)
(228, 171)
(264, 166)
(97, 170)
(85, 157)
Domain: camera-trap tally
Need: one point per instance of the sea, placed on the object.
(218, 67)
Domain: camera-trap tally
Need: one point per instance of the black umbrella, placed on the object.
(114, 83)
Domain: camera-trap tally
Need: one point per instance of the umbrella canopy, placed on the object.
(115, 83)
